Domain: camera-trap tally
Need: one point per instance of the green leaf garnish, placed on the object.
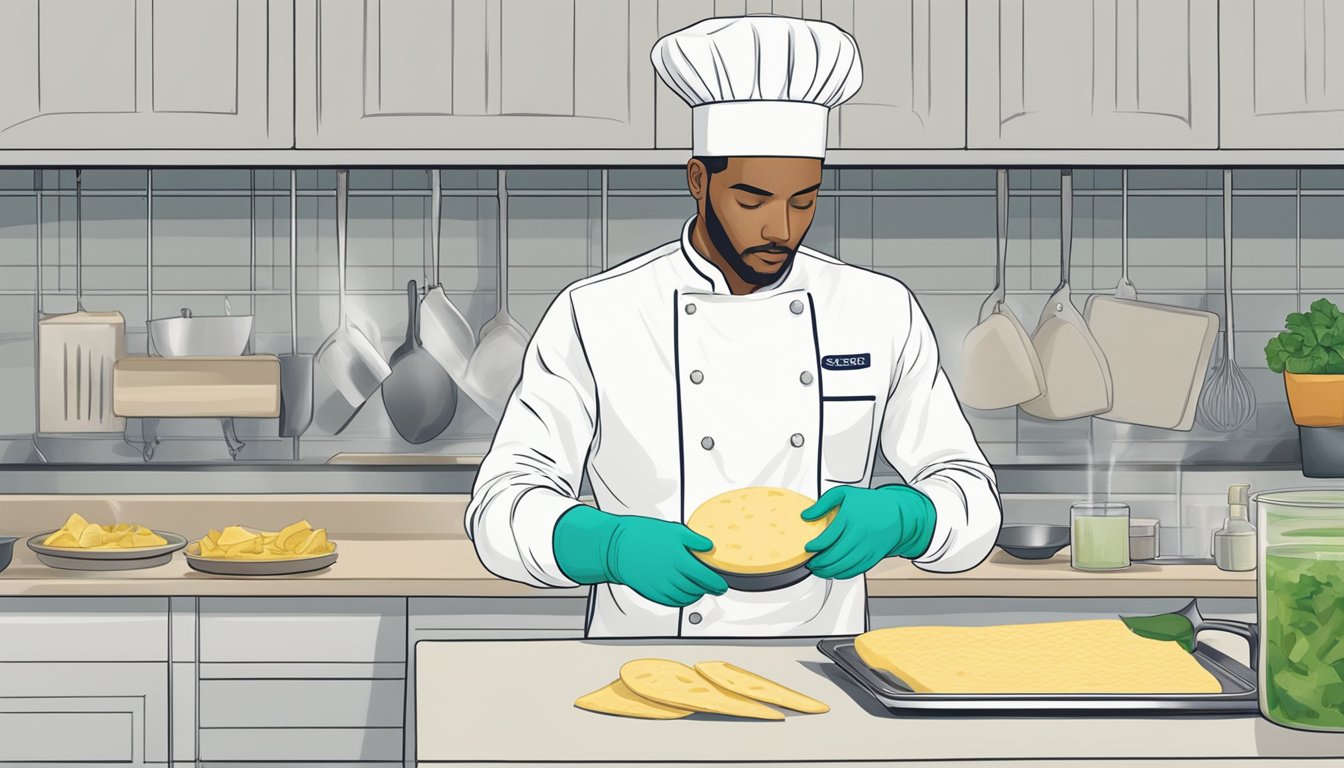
(1164, 626)
(1313, 343)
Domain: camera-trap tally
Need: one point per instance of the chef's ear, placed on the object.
(697, 178)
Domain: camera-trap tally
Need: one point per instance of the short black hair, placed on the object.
(713, 163)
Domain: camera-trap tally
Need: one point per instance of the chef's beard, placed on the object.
(718, 236)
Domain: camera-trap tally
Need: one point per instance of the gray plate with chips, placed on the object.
(114, 559)
(283, 567)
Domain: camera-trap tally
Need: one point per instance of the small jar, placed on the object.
(1143, 535)
(1100, 536)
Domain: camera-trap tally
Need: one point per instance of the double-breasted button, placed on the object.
(805, 377)
(690, 309)
(796, 441)
(796, 307)
(694, 617)
(707, 442)
(697, 377)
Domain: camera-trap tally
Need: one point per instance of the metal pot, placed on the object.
(191, 336)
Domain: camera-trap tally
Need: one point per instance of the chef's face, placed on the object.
(757, 210)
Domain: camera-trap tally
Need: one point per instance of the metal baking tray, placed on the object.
(1239, 693)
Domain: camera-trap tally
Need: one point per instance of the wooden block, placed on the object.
(244, 386)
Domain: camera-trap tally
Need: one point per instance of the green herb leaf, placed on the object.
(1164, 626)
(1275, 355)
(1313, 343)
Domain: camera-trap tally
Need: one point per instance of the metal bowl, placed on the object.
(209, 336)
(1033, 541)
(6, 550)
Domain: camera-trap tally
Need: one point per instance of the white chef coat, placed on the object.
(672, 390)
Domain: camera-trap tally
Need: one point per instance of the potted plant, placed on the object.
(1310, 355)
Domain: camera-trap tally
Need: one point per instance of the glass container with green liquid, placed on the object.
(1099, 536)
(1300, 591)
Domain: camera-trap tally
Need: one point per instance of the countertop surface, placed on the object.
(448, 566)
(474, 697)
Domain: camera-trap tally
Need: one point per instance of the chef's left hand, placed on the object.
(869, 525)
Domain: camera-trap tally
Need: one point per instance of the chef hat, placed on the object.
(759, 85)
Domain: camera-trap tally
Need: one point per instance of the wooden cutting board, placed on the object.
(76, 354)
(1158, 356)
(244, 386)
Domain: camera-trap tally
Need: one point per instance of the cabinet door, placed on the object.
(146, 74)
(1282, 75)
(1062, 74)
(404, 74)
(79, 713)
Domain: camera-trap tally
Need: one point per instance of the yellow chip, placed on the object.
(756, 530)
(618, 699)
(674, 684)
(234, 534)
(1085, 656)
(291, 536)
(753, 686)
(61, 538)
(91, 536)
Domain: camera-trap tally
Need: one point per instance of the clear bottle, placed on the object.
(1234, 544)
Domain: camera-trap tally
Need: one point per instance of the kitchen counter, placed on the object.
(474, 698)
(415, 545)
(448, 566)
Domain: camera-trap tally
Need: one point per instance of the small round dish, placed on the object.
(118, 559)
(6, 550)
(283, 567)
(764, 582)
(1033, 541)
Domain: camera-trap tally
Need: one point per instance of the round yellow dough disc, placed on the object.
(756, 530)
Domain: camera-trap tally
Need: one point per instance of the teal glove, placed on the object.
(870, 524)
(650, 556)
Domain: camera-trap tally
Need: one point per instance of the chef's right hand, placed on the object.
(652, 557)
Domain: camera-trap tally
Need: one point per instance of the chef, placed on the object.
(732, 357)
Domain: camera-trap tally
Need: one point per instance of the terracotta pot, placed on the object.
(1316, 400)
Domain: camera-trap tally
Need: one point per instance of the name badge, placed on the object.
(846, 362)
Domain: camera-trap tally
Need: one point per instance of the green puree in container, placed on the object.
(1304, 635)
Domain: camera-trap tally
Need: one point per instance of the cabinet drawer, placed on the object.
(301, 744)
(303, 629)
(302, 703)
(84, 629)
(106, 734)
(495, 613)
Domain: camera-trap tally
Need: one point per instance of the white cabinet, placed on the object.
(914, 70)
(285, 678)
(151, 74)
(1063, 74)
(118, 711)
(485, 618)
(96, 667)
(1282, 75)
(462, 74)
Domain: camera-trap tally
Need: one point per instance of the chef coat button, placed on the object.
(690, 309)
(796, 307)
(706, 443)
(796, 441)
(697, 377)
(806, 378)
(694, 618)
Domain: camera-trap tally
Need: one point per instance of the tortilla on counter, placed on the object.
(618, 699)
(756, 530)
(751, 685)
(676, 685)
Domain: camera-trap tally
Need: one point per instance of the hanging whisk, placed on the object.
(1228, 401)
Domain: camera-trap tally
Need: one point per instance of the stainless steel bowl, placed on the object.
(191, 336)
(1033, 541)
(6, 550)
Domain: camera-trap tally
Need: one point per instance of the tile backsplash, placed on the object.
(156, 241)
